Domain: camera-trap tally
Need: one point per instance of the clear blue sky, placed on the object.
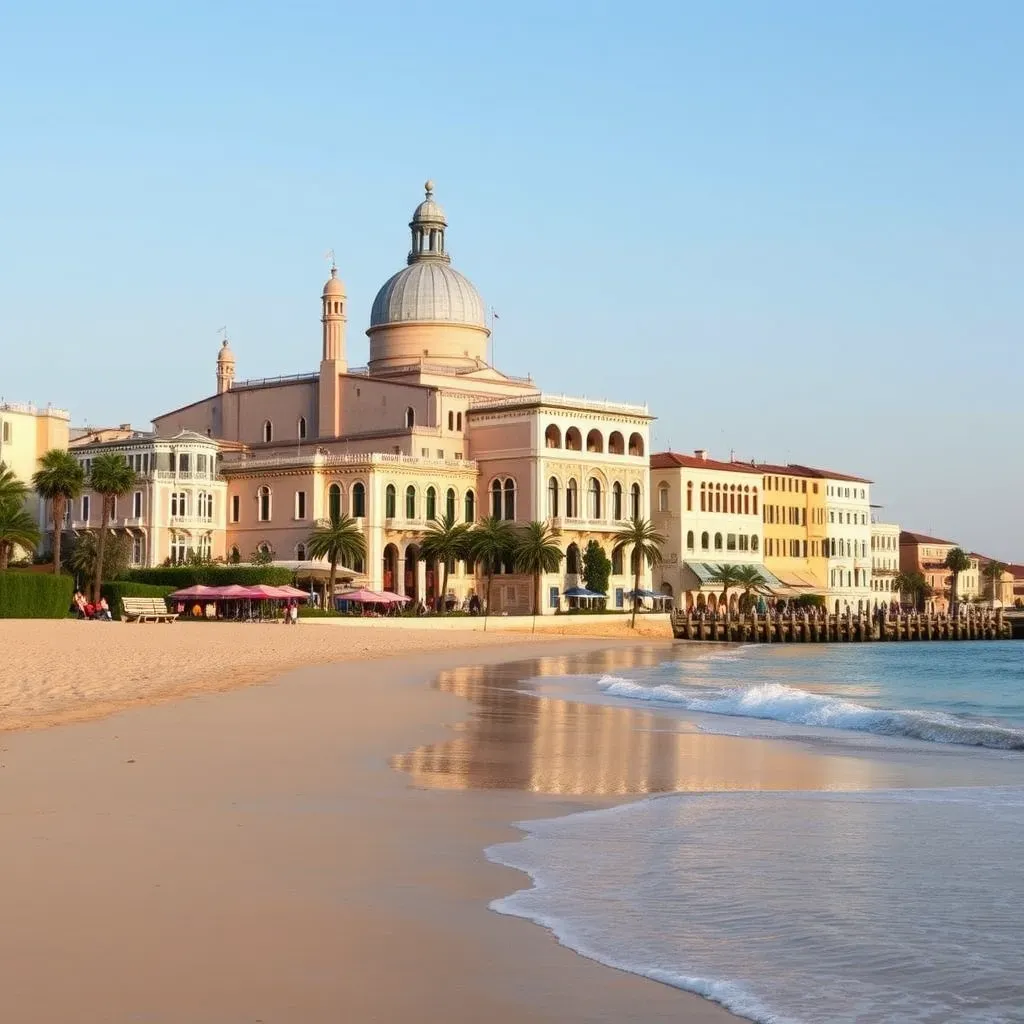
(796, 230)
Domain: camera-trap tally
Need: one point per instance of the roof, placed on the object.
(1017, 570)
(428, 292)
(673, 460)
(906, 537)
(828, 474)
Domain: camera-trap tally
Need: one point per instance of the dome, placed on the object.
(334, 285)
(428, 291)
(225, 355)
(428, 212)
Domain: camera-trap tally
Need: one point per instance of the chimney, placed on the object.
(701, 453)
(125, 426)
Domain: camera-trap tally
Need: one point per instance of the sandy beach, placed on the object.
(252, 856)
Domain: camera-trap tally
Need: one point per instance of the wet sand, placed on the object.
(252, 857)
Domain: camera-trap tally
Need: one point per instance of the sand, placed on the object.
(251, 856)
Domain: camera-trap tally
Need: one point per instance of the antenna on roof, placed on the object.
(329, 256)
(223, 332)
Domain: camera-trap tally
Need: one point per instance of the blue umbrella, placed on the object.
(582, 592)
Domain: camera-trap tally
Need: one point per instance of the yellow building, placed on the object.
(793, 510)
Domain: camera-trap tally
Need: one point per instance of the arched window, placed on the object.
(703, 498)
(410, 502)
(689, 540)
(718, 542)
(663, 498)
(704, 541)
(753, 504)
(616, 561)
(234, 555)
(263, 504)
(634, 501)
(595, 442)
(754, 543)
(572, 500)
(300, 552)
(449, 503)
(302, 428)
(451, 420)
(510, 499)
(616, 446)
(458, 421)
(359, 500)
(572, 560)
(431, 504)
(573, 440)
(594, 498)
(390, 502)
(334, 501)
(617, 501)
(496, 499)
(746, 504)
(410, 417)
(552, 437)
(636, 444)
(689, 495)
(469, 510)
(268, 431)
(265, 549)
(552, 498)
(718, 498)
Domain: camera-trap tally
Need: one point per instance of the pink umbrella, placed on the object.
(199, 590)
(294, 592)
(264, 592)
(392, 598)
(233, 592)
(361, 596)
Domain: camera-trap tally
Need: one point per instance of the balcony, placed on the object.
(559, 523)
(189, 519)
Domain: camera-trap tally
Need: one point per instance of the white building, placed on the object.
(885, 563)
(848, 536)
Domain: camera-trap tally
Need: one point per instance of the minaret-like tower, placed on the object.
(428, 226)
(332, 361)
(225, 368)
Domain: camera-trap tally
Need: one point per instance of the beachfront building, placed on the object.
(177, 507)
(848, 539)
(995, 593)
(26, 433)
(920, 553)
(710, 514)
(885, 564)
(795, 542)
(428, 427)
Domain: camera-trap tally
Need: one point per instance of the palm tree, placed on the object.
(490, 542)
(338, 539)
(11, 488)
(915, 586)
(749, 577)
(111, 478)
(957, 561)
(17, 529)
(993, 573)
(727, 576)
(58, 480)
(645, 545)
(444, 541)
(536, 552)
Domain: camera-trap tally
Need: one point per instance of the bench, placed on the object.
(146, 609)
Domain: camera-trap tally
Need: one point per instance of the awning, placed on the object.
(797, 581)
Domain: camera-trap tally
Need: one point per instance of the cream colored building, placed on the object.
(885, 564)
(177, 507)
(427, 427)
(848, 522)
(26, 433)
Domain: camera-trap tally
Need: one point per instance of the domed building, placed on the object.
(427, 429)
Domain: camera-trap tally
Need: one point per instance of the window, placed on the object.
(268, 431)
(617, 562)
(704, 541)
(451, 420)
(573, 440)
(410, 417)
(619, 597)
(410, 502)
(137, 505)
(235, 507)
(300, 552)
(754, 543)
(85, 508)
(390, 501)
(234, 555)
(440, 453)
(616, 446)
(753, 505)
(179, 504)
(138, 550)
(718, 542)
(634, 503)
(689, 540)
(263, 504)
(572, 507)
(510, 499)
(334, 501)
(431, 511)
(743, 542)
(730, 542)
(689, 495)
(616, 501)
(179, 550)
(205, 502)
(552, 498)
(703, 499)
(302, 428)
(595, 442)
(300, 504)
(572, 560)
(553, 598)
(663, 498)
(458, 421)
(265, 549)
(636, 444)
(7, 432)
(552, 437)
(449, 503)
(496, 499)
(469, 511)
(358, 500)
(594, 498)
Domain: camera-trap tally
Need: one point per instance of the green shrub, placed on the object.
(179, 576)
(810, 601)
(116, 589)
(35, 595)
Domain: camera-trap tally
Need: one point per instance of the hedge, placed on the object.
(35, 595)
(116, 589)
(179, 576)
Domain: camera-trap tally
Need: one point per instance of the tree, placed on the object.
(750, 578)
(993, 573)
(915, 586)
(645, 545)
(84, 553)
(537, 553)
(338, 539)
(111, 478)
(17, 530)
(261, 556)
(11, 488)
(957, 561)
(727, 576)
(58, 480)
(597, 568)
(490, 543)
(444, 542)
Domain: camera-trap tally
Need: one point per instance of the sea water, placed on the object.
(888, 905)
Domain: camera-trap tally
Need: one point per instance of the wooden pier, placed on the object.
(808, 628)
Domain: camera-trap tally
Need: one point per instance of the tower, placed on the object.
(225, 368)
(332, 361)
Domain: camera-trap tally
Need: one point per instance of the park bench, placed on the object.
(146, 609)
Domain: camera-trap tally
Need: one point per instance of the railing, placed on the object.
(565, 401)
(34, 410)
(435, 368)
(321, 459)
(191, 518)
(292, 378)
(188, 474)
(574, 523)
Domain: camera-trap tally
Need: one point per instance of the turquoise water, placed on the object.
(806, 907)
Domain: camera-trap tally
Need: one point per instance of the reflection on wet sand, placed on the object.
(513, 740)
